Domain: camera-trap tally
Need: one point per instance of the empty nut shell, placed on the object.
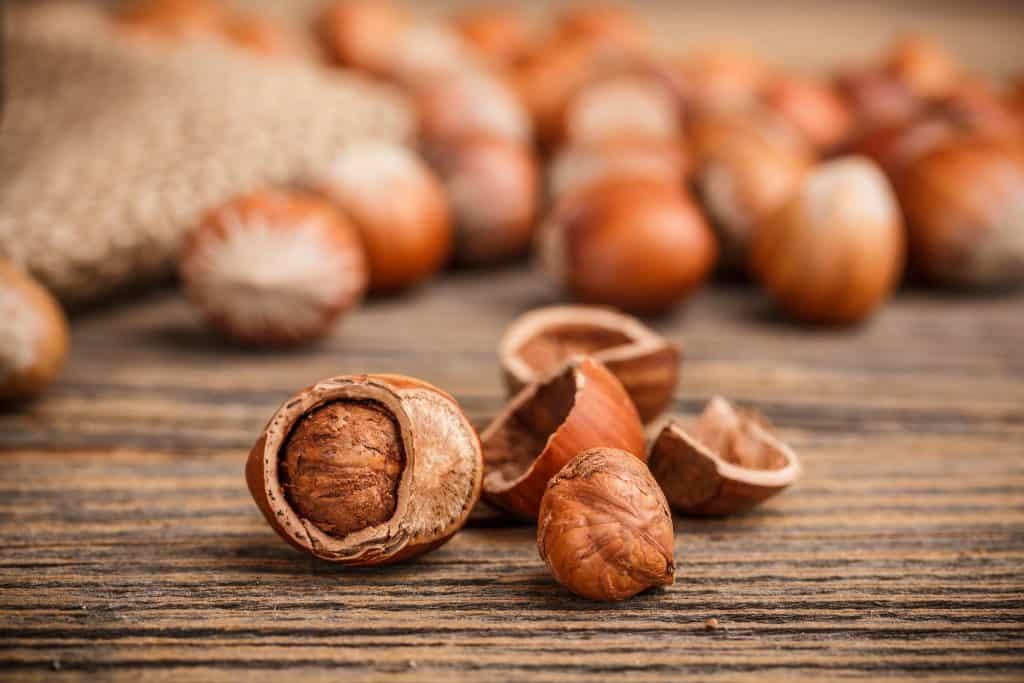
(541, 342)
(605, 529)
(438, 469)
(547, 424)
(730, 462)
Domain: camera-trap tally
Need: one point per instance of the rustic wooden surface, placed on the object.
(130, 549)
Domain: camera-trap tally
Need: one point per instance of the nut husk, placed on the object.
(730, 462)
(539, 343)
(605, 529)
(439, 485)
(547, 424)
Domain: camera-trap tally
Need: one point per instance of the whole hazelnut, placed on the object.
(425, 51)
(964, 204)
(576, 166)
(501, 35)
(366, 469)
(876, 98)
(493, 189)
(635, 244)
(834, 252)
(605, 529)
(896, 147)
(722, 79)
(34, 335)
(924, 66)
(709, 131)
(609, 27)
(547, 79)
(258, 35)
(173, 19)
(470, 103)
(621, 107)
(399, 207)
(273, 268)
(361, 34)
(977, 106)
(812, 107)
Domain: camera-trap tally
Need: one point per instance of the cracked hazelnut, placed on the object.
(540, 343)
(399, 207)
(547, 424)
(834, 252)
(574, 167)
(273, 268)
(605, 529)
(964, 205)
(34, 335)
(730, 462)
(366, 469)
(635, 244)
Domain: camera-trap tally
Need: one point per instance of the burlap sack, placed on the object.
(111, 147)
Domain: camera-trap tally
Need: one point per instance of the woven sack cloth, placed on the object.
(111, 147)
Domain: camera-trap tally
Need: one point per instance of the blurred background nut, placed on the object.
(258, 35)
(978, 106)
(273, 268)
(964, 204)
(34, 335)
(173, 19)
(812, 107)
(635, 244)
(398, 206)
(624, 106)
(470, 102)
(876, 98)
(501, 35)
(721, 79)
(605, 529)
(835, 251)
(573, 167)
(923, 65)
(361, 34)
(610, 28)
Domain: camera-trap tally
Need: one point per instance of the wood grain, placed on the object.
(130, 549)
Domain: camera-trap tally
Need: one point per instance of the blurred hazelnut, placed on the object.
(501, 35)
(817, 112)
(547, 79)
(493, 188)
(273, 269)
(398, 206)
(710, 131)
(576, 166)
(895, 147)
(258, 35)
(722, 79)
(425, 51)
(34, 335)
(174, 19)
(606, 26)
(876, 98)
(923, 66)
(621, 107)
(470, 103)
(361, 34)
(834, 252)
(977, 106)
(639, 245)
(964, 203)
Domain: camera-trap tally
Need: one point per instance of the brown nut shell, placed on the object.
(621, 106)
(814, 108)
(173, 19)
(468, 103)
(729, 463)
(501, 35)
(361, 33)
(574, 167)
(540, 343)
(605, 528)
(547, 424)
(439, 485)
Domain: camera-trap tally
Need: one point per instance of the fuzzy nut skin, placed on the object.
(605, 529)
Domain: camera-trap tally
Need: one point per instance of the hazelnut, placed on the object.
(964, 204)
(923, 66)
(547, 79)
(493, 188)
(425, 51)
(258, 35)
(625, 106)
(710, 131)
(605, 529)
(742, 182)
(361, 33)
(273, 268)
(540, 343)
(635, 244)
(546, 424)
(367, 469)
(834, 252)
(173, 19)
(977, 106)
(608, 27)
(813, 108)
(470, 103)
(731, 462)
(895, 147)
(876, 98)
(574, 167)
(398, 206)
(34, 335)
(500, 35)
(722, 79)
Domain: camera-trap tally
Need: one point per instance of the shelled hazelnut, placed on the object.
(34, 335)
(834, 252)
(605, 529)
(621, 107)
(546, 424)
(964, 205)
(366, 469)
(399, 207)
(468, 103)
(812, 107)
(923, 65)
(494, 189)
(730, 462)
(501, 35)
(540, 343)
(635, 244)
(574, 167)
(361, 33)
(273, 268)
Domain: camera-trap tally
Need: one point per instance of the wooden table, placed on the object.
(130, 548)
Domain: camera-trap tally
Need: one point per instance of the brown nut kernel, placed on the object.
(605, 529)
(398, 206)
(731, 462)
(273, 268)
(835, 251)
(33, 335)
(635, 244)
(361, 434)
(548, 423)
(577, 166)
(541, 342)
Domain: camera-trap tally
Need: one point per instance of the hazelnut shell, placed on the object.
(439, 486)
(574, 167)
(729, 463)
